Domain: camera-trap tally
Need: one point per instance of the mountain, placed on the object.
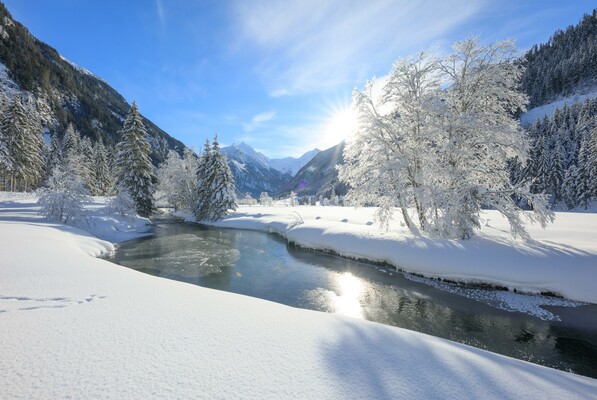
(319, 175)
(291, 165)
(65, 92)
(252, 172)
(255, 173)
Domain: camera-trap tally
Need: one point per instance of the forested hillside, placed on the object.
(565, 64)
(65, 93)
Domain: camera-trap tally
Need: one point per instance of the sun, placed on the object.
(341, 125)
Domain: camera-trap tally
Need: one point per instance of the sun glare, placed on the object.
(341, 125)
(348, 302)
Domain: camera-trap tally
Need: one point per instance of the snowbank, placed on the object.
(561, 259)
(75, 326)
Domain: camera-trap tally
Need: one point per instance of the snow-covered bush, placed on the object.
(122, 204)
(266, 200)
(63, 198)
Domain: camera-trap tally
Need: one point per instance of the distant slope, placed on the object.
(547, 110)
(291, 165)
(319, 175)
(66, 92)
(252, 173)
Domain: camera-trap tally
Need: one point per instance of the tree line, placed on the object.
(71, 167)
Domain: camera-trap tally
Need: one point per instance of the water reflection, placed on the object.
(262, 265)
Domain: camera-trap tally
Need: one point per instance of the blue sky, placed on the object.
(276, 74)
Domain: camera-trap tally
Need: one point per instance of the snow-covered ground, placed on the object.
(76, 326)
(561, 259)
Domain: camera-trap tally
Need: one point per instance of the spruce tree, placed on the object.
(569, 191)
(134, 170)
(20, 127)
(592, 161)
(216, 190)
(70, 141)
(583, 180)
(103, 174)
(88, 165)
(556, 175)
(204, 194)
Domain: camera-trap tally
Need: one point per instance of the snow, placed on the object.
(531, 116)
(561, 259)
(76, 326)
(240, 166)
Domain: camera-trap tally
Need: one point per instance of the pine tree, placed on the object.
(20, 127)
(133, 167)
(570, 191)
(6, 162)
(54, 154)
(70, 143)
(216, 185)
(592, 160)
(88, 165)
(539, 172)
(583, 179)
(103, 174)
(556, 175)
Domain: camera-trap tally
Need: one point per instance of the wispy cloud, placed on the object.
(160, 10)
(310, 45)
(258, 120)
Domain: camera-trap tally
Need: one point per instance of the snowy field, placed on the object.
(76, 326)
(561, 259)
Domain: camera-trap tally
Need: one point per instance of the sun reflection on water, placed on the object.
(348, 301)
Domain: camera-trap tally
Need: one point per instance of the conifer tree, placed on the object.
(70, 143)
(103, 174)
(134, 170)
(540, 173)
(592, 160)
(583, 179)
(54, 154)
(216, 185)
(570, 192)
(20, 126)
(88, 165)
(556, 175)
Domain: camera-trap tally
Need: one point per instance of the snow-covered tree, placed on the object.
(538, 167)
(104, 180)
(265, 199)
(569, 187)
(122, 204)
(63, 198)
(216, 191)
(54, 154)
(71, 143)
(248, 200)
(443, 152)
(556, 175)
(584, 179)
(177, 180)
(21, 129)
(88, 165)
(134, 170)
